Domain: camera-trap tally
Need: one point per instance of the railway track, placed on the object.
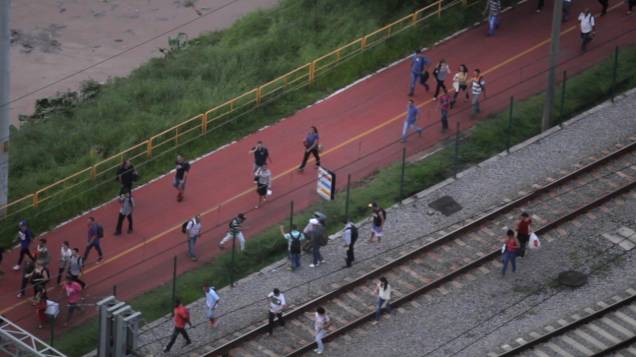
(605, 329)
(429, 267)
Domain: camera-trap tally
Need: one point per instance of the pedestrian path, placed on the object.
(352, 124)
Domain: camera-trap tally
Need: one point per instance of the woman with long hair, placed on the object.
(460, 83)
(383, 290)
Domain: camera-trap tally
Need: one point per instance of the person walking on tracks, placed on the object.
(127, 205)
(126, 175)
(25, 236)
(383, 291)
(478, 86)
(95, 234)
(409, 122)
(321, 325)
(315, 231)
(192, 229)
(261, 155)
(312, 147)
(419, 73)
(350, 236)
(211, 302)
(441, 72)
(379, 217)
(587, 24)
(523, 232)
(235, 232)
(510, 252)
(277, 304)
(294, 245)
(181, 176)
(181, 319)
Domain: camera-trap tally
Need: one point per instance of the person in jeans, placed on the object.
(74, 294)
(126, 175)
(127, 205)
(493, 8)
(510, 252)
(314, 232)
(441, 72)
(444, 108)
(383, 291)
(261, 155)
(321, 325)
(418, 71)
(235, 232)
(211, 302)
(193, 232)
(180, 177)
(409, 122)
(460, 84)
(587, 24)
(181, 319)
(478, 86)
(294, 243)
(75, 265)
(350, 236)
(95, 234)
(65, 258)
(523, 232)
(277, 304)
(312, 146)
(25, 236)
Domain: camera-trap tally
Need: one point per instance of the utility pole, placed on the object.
(546, 123)
(5, 6)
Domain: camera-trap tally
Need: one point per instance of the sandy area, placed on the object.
(57, 44)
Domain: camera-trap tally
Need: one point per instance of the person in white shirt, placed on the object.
(65, 257)
(383, 290)
(586, 19)
(321, 325)
(211, 301)
(193, 231)
(277, 304)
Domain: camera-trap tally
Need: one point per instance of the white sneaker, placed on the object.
(322, 261)
(313, 266)
(16, 267)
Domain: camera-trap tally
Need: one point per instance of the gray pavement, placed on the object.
(473, 320)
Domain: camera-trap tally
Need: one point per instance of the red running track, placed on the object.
(353, 124)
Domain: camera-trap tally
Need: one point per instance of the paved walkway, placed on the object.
(354, 123)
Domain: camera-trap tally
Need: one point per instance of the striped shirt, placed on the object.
(235, 226)
(494, 7)
(478, 85)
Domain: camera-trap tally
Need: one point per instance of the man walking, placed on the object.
(125, 211)
(180, 177)
(418, 71)
(25, 236)
(350, 236)
(193, 232)
(294, 243)
(493, 8)
(315, 232)
(441, 72)
(235, 232)
(126, 175)
(211, 301)
(444, 108)
(75, 265)
(411, 117)
(379, 216)
(312, 147)
(523, 232)
(277, 304)
(478, 86)
(261, 155)
(587, 23)
(181, 318)
(95, 234)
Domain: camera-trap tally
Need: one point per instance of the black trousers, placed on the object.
(271, 316)
(605, 4)
(540, 4)
(523, 242)
(350, 257)
(440, 84)
(585, 39)
(24, 252)
(314, 152)
(120, 221)
(77, 279)
(173, 338)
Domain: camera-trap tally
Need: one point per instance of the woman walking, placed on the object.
(65, 258)
(321, 324)
(42, 253)
(125, 211)
(441, 71)
(263, 183)
(383, 290)
(39, 278)
(312, 147)
(510, 252)
(460, 84)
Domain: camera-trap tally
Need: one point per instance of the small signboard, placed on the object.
(326, 186)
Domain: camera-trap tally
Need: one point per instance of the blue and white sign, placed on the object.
(326, 187)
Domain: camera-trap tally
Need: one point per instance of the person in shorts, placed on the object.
(180, 177)
(211, 301)
(379, 216)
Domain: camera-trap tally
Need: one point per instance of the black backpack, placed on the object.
(294, 247)
(99, 231)
(354, 233)
(184, 226)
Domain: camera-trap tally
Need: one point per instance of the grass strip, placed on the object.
(584, 91)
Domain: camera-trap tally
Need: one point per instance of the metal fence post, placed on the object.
(562, 108)
(456, 159)
(509, 136)
(402, 173)
(174, 281)
(291, 214)
(115, 290)
(348, 195)
(52, 322)
(614, 73)
(232, 261)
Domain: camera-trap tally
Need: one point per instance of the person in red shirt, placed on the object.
(523, 232)
(510, 253)
(74, 294)
(181, 318)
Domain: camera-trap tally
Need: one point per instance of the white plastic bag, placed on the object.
(52, 308)
(269, 192)
(503, 248)
(534, 242)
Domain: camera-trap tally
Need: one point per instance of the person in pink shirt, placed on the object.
(74, 295)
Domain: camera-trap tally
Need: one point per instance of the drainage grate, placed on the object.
(446, 205)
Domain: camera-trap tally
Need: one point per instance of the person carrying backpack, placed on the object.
(192, 229)
(294, 244)
(95, 234)
(350, 236)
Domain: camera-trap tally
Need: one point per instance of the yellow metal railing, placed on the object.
(198, 125)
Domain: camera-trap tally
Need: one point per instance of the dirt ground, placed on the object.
(57, 44)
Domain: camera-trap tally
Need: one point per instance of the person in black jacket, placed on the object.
(126, 175)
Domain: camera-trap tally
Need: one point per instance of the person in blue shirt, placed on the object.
(211, 302)
(25, 236)
(418, 71)
(312, 147)
(95, 234)
(411, 117)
